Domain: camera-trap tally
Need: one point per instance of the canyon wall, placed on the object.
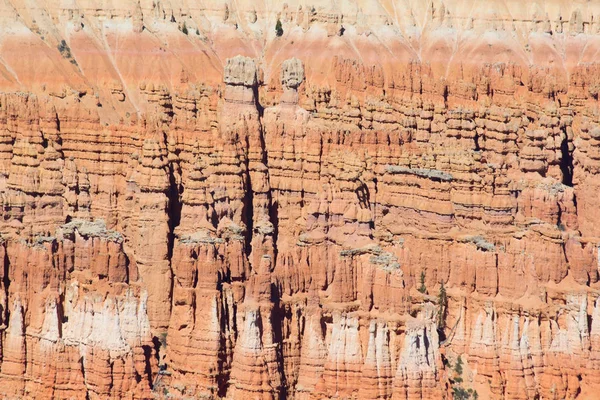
(383, 200)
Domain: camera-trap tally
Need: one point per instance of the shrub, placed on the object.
(278, 28)
(65, 51)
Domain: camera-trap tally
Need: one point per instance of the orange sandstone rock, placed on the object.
(196, 206)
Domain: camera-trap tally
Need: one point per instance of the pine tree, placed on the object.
(442, 307)
(458, 367)
(278, 28)
(422, 288)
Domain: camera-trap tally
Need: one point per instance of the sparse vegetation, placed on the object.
(422, 288)
(65, 51)
(95, 228)
(481, 243)
(387, 261)
(163, 339)
(278, 28)
(442, 301)
(458, 392)
(432, 174)
(458, 368)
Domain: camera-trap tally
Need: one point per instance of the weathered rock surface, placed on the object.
(194, 206)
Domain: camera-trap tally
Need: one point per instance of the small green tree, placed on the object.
(422, 288)
(458, 392)
(278, 28)
(442, 307)
(184, 29)
(458, 370)
(458, 367)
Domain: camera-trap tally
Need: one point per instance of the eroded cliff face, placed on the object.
(196, 207)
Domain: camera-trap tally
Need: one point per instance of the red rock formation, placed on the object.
(195, 205)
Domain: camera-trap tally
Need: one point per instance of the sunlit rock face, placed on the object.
(380, 200)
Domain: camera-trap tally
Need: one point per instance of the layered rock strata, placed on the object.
(382, 201)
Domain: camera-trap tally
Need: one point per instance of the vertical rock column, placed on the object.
(256, 368)
(14, 353)
(417, 376)
(148, 185)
